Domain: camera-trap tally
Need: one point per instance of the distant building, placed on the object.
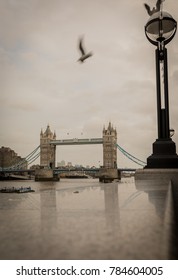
(69, 164)
(9, 158)
(60, 164)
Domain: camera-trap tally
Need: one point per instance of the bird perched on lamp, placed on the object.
(155, 9)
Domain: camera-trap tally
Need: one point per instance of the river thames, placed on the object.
(81, 219)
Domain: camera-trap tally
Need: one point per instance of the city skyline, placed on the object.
(42, 83)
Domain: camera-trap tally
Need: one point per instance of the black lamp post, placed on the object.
(160, 30)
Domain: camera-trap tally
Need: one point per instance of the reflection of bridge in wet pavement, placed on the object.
(84, 219)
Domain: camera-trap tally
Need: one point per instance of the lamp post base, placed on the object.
(164, 155)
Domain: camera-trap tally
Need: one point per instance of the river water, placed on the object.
(80, 219)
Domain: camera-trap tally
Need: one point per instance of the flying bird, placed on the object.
(84, 55)
(155, 9)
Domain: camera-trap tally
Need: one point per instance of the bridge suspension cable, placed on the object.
(131, 157)
(34, 158)
(29, 159)
(36, 153)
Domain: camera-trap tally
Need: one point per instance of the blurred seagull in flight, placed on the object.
(155, 9)
(84, 55)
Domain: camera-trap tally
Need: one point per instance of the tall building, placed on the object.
(61, 163)
(109, 147)
(8, 158)
(47, 150)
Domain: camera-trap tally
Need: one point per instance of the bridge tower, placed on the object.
(108, 171)
(47, 150)
(109, 147)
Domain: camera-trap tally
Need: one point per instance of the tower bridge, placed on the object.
(48, 143)
(47, 153)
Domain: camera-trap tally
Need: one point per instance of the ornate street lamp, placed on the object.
(160, 30)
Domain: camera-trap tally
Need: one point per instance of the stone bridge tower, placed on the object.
(109, 147)
(109, 170)
(47, 150)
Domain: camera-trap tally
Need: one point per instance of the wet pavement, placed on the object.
(85, 219)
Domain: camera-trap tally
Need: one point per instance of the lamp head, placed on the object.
(161, 27)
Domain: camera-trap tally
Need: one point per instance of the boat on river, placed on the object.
(16, 190)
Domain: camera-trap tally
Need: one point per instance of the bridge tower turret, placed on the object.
(47, 150)
(109, 147)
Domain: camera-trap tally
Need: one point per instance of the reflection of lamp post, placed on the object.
(160, 30)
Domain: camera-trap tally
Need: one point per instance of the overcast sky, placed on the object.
(42, 83)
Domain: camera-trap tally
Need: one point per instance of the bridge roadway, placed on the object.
(77, 141)
(58, 170)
